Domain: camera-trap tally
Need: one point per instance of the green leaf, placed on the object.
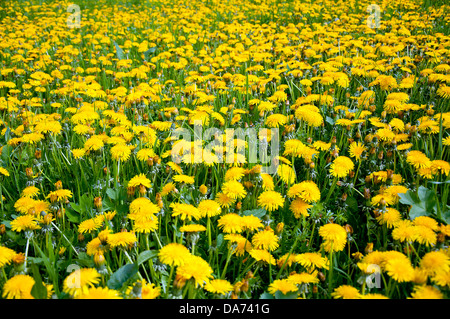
(266, 295)
(72, 215)
(408, 198)
(6, 153)
(259, 212)
(146, 255)
(75, 207)
(119, 51)
(148, 52)
(111, 193)
(289, 295)
(122, 275)
(39, 291)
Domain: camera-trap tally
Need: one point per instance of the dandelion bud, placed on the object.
(150, 161)
(179, 282)
(321, 276)
(203, 189)
(407, 127)
(237, 287)
(142, 189)
(99, 259)
(372, 108)
(358, 135)
(2, 229)
(312, 165)
(29, 172)
(348, 228)
(249, 275)
(344, 197)
(98, 202)
(358, 256)
(130, 191)
(103, 237)
(430, 112)
(440, 237)
(105, 170)
(245, 286)
(48, 219)
(383, 114)
(309, 140)
(315, 289)
(369, 248)
(80, 237)
(38, 154)
(60, 213)
(333, 140)
(234, 296)
(380, 155)
(238, 205)
(367, 193)
(58, 185)
(279, 228)
(19, 258)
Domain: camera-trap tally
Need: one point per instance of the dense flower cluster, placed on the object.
(95, 174)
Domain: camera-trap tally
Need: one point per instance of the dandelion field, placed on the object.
(94, 204)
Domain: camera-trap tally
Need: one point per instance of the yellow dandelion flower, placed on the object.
(80, 280)
(356, 149)
(234, 189)
(263, 256)
(400, 270)
(334, 236)
(299, 208)
(230, 223)
(219, 286)
(341, 167)
(89, 225)
(18, 287)
(265, 239)
(185, 211)
(139, 180)
(270, 200)
(196, 268)
(435, 262)
(311, 261)
(283, 285)
(120, 152)
(390, 217)
(6, 256)
(25, 223)
(426, 292)
(173, 254)
(303, 278)
(209, 208)
(308, 191)
(224, 200)
(99, 293)
(123, 239)
(184, 179)
(345, 292)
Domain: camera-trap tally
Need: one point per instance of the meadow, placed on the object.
(94, 204)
